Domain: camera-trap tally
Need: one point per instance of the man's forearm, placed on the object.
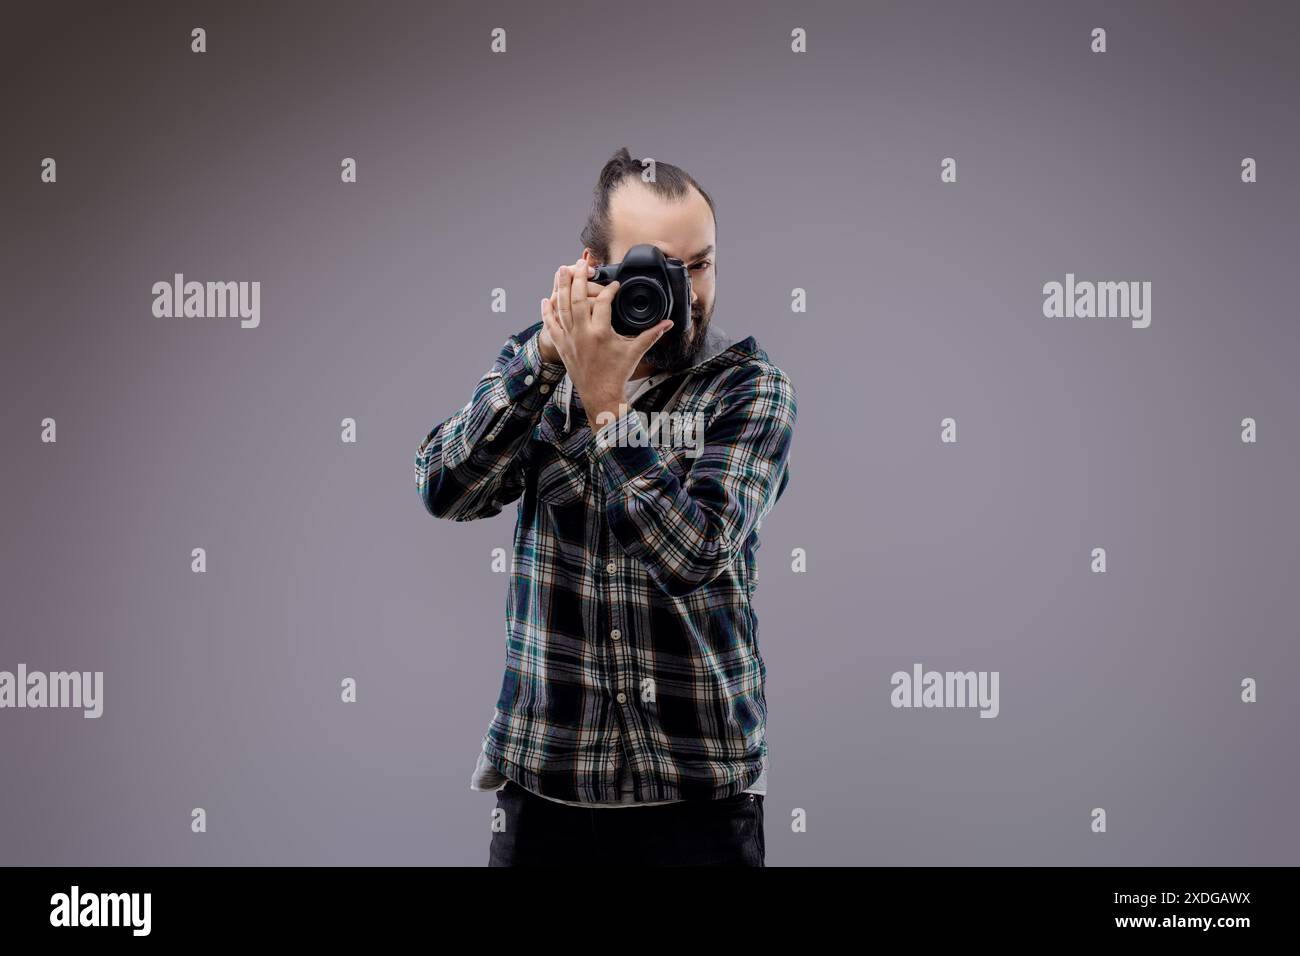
(686, 530)
(605, 409)
(465, 460)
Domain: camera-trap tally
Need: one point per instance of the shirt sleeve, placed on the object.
(688, 531)
(470, 465)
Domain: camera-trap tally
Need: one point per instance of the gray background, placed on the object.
(1118, 690)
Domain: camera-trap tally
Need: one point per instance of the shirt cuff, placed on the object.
(526, 375)
(623, 450)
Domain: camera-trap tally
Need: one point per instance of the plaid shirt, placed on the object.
(629, 630)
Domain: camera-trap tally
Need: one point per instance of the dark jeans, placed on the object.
(541, 832)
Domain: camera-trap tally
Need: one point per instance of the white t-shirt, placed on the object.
(633, 384)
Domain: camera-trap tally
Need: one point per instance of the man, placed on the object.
(630, 727)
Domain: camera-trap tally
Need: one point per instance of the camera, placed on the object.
(652, 287)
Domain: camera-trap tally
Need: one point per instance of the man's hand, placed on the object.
(545, 345)
(599, 360)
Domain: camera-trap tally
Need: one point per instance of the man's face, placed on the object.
(683, 229)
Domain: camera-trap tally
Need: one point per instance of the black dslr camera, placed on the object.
(653, 287)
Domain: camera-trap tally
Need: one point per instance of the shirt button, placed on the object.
(622, 698)
(545, 389)
(611, 567)
(528, 380)
(616, 634)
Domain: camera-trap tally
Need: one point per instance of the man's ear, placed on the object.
(591, 257)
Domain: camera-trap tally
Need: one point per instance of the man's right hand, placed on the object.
(545, 345)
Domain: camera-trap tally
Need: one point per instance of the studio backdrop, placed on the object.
(1030, 267)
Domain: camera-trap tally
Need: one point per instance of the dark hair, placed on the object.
(670, 181)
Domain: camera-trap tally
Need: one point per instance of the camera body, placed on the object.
(652, 287)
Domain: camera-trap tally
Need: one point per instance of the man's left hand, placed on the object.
(599, 360)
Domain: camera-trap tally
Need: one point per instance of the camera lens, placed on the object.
(642, 301)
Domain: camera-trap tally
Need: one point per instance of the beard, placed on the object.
(675, 350)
